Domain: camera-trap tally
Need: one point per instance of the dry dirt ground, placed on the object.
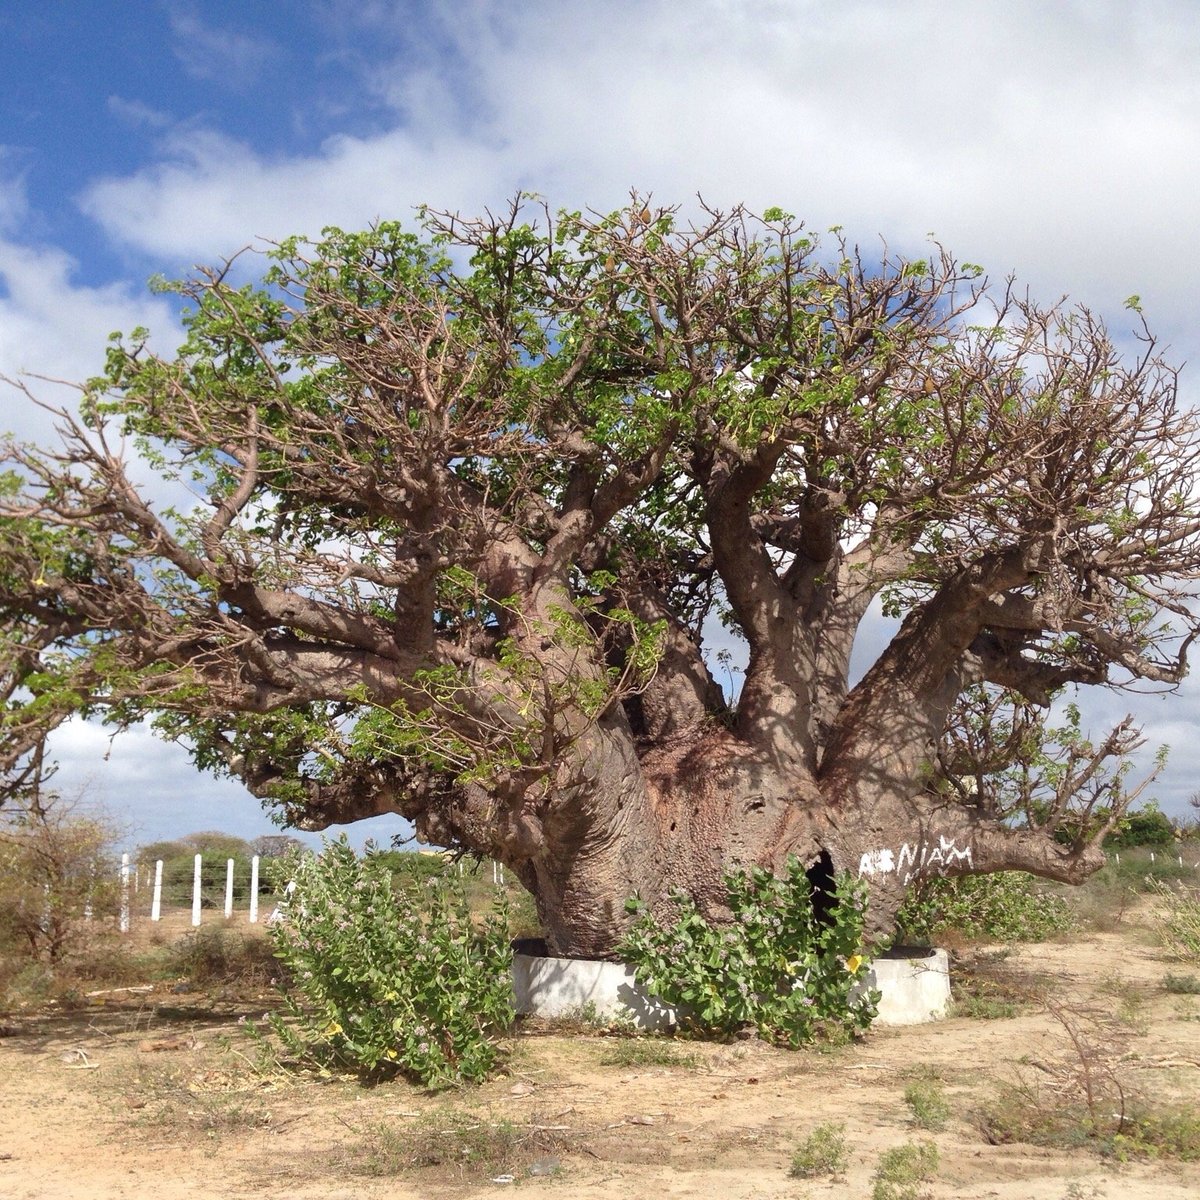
(156, 1094)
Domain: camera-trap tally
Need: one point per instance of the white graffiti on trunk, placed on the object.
(921, 858)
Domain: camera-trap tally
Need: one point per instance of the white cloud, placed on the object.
(219, 55)
(135, 113)
(14, 202)
(52, 326)
(1062, 141)
(1058, 140)
(151, 791)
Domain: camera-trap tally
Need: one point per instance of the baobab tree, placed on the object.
(476, 503)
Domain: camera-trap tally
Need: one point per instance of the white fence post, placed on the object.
(254, 890)
(156, 901)
(124, 925)
(196, 893)
(228, 888)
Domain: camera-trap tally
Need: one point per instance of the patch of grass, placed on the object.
(983, 1007)
(645, 1052)
(455, 1142)
(823, 1152)
(1182, 985)
(1082, 1191)
(1131, 1002)
(186, 1103)
(927, 1101)
(902, 1170)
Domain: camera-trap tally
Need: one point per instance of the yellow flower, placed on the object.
(853, 963)
(332, 1028)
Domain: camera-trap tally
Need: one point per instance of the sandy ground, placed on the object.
(156, 1094)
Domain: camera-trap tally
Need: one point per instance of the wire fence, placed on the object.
(209, 885)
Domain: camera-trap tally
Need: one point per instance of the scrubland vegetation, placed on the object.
(1083, 1091)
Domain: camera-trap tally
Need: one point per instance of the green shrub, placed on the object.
(1140, 868)
(823, 1152)
(928, 1103)
(1182, 985)
(382, 983)
(902, 1169)
(1001, 907)
(776, 966)
(1145, 826)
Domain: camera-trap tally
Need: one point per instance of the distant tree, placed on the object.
(179, 864)
(477, 497)
(58, 876)
(1144, 826)
(275, 845)
(153, 851)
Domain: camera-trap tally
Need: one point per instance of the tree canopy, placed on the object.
(472, 500)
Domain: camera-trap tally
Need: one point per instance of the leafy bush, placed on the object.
(1145, 826)
(215, 848)
(1001, 907)
(385, 983)
(776, 966)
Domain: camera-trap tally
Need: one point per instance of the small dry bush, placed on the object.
(217, 954)
(1177, 919)
(183, 1102)
(58, 901)
(1182, 985)
(987, 987)
(1085, 1097)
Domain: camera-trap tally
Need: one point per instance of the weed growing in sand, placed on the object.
(902, 1170)
(1182, 985)
(1177, 919)
(456, 1142)
(823, 1152)
(1086, 1097)
(927, 1101)
(645, 1052)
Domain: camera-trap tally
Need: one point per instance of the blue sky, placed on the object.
(1060, 141)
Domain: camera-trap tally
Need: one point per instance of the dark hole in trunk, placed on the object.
(821, 876)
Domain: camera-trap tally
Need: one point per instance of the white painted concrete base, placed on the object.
(914, 986)
(914, 989)
(581, 987)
